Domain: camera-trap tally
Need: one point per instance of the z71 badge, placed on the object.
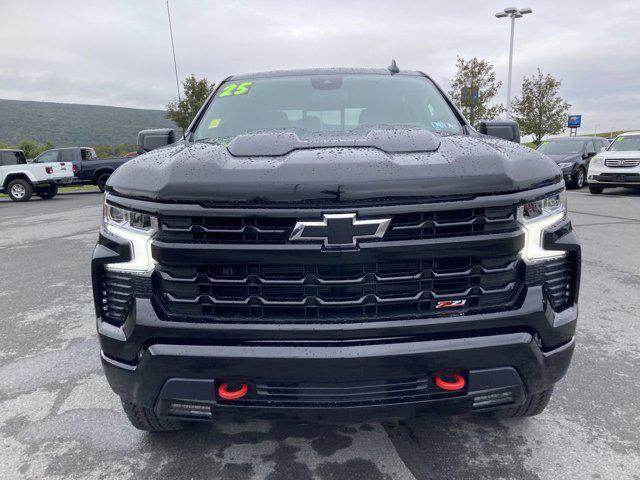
(451, 303)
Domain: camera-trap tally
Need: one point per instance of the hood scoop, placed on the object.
(392, 140)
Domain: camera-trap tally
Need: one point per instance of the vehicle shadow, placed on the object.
(422, 448)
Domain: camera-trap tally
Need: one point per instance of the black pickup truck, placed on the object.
(334, 244)
(88, 169)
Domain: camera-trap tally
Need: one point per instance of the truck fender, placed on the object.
(12, 176)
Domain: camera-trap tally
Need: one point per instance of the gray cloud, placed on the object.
(118, 52)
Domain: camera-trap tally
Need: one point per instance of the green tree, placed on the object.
(195, 93)
(473, 88)
(32, 148)
(540, 110)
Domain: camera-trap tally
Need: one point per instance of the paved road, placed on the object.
(58, 418)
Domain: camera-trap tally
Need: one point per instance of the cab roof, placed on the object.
(324, 71)
(637, 132)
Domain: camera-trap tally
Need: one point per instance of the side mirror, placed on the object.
(505, 129)
(151, 139)
(589, 155)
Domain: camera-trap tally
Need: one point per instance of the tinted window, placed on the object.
(66, 156)
(326, 103)
(48, 157)
(12, 158)
(561, 147)
(590, 147)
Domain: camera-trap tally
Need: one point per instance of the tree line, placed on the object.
(539, 110)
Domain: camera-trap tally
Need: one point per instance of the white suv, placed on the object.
(618, 165)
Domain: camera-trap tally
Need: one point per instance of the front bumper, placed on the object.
(614, 176)
(615, 180)
(500, 370)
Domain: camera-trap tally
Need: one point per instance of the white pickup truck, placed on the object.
(21, 180)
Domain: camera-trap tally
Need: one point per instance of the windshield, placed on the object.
(326, 103)
(627, 143)
(561, 147)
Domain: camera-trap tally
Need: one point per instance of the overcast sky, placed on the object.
(117, 52)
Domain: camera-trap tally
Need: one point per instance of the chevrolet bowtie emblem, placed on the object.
(340, 230)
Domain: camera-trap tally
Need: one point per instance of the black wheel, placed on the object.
(596, 189)
(579, 179)
(144, 418)
(20, 190)
(47, 192)
(533, 405)
(102, 181)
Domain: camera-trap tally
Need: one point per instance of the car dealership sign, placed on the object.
(574, 121)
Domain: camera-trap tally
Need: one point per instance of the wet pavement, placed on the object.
(59, 419)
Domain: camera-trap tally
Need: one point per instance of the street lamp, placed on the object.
(512, 13)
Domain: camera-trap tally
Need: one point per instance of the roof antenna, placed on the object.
(393, 68)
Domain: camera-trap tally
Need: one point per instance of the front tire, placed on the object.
(579, 179)
(47, 193)
(533, 405)
(20, 190)
(596, 189)
(145, 419)
(102, 181)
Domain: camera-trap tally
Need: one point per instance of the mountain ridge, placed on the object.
(73, 124)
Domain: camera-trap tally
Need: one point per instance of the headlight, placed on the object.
(138, 229)
(535, 217)
(565, 164)
(597, 161)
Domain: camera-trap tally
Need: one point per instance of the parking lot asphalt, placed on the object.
(59, 419)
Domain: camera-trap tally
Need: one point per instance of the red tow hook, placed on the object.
(451, 382)
(233, 391)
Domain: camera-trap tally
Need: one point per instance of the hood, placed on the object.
(380, 167)
(565, 157)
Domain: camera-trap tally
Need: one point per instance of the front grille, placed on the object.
(557, 282)
(350, 394)
(277, 230)
(622, 162)
(337, 292)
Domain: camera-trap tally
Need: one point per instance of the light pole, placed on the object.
(173, 49)
(512, 13)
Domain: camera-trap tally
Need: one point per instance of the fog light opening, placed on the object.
(492, 400)
(184, 409)
(232, 391)
(452, 382)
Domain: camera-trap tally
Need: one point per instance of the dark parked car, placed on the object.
(573, 154)
(334, 244)
(88, 169)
